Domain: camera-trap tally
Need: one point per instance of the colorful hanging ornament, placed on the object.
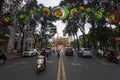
(112, 16)
(46, 11)
(31, 11)
(81, 8)
(38, 13)
(102, 9)
(98, 15)
(21, 16)
(88, 10)
(74, 12)
(83, 15)
(60, 12)
(6, 19)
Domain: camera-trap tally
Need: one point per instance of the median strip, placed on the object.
(61, 70)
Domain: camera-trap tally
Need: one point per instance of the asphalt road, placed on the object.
(65, 68)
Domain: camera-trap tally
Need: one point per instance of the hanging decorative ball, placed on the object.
(88, 10)
(39, 9)
(81, 8)
(35, 16)
(7, 19)
(31, 11)
(46, 11)
(102, 9)
(60, 12)
(83, 15)
(98, 15)
(22, 16)
(74, 12)
(112, 17)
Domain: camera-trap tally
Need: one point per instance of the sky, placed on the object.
(59, 24)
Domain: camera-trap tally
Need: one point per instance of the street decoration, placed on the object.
(112, 16)
(83, 15)
(38, 12)
(81, 8)
(98, 15)
(74, 12)
(35, 12)
(46, 11)
(60, 12)
(6, 19)
(102, 9)
(88, 10)
(21, 16)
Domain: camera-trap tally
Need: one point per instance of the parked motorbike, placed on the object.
(41, 64)
(112, 58)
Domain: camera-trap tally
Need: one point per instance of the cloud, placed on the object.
(49, 3)
(60, 27)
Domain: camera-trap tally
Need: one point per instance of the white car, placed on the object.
(85, 52)
(29, 52)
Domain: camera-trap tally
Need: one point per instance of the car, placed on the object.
(29, 52)
(69, 52)
(3, 57)
(85, 52)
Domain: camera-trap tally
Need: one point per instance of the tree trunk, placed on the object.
(1, 4)
(78, 47)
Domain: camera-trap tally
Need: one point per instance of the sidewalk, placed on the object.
(13, 55)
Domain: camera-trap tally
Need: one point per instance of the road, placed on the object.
(65, 68)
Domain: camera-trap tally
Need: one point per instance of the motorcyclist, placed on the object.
(58, 55)
(43, 53)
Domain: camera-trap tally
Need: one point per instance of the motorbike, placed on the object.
(41, 64)
(58, 55)
(112, 58)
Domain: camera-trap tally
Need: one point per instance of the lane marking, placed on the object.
(59, 71)
(63, 71)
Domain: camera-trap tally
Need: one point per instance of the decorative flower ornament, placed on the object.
(60, 12)
(81, 8)
(38, 13)
(98, 15)
(102, 9)
(31, 11)
(74, 12)
(112, 17)
(88, 10)
(46, 11)
(39, 9)
(6, 19)
(83, 15)
(22, 16)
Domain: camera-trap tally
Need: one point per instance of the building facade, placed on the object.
(60, 43)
